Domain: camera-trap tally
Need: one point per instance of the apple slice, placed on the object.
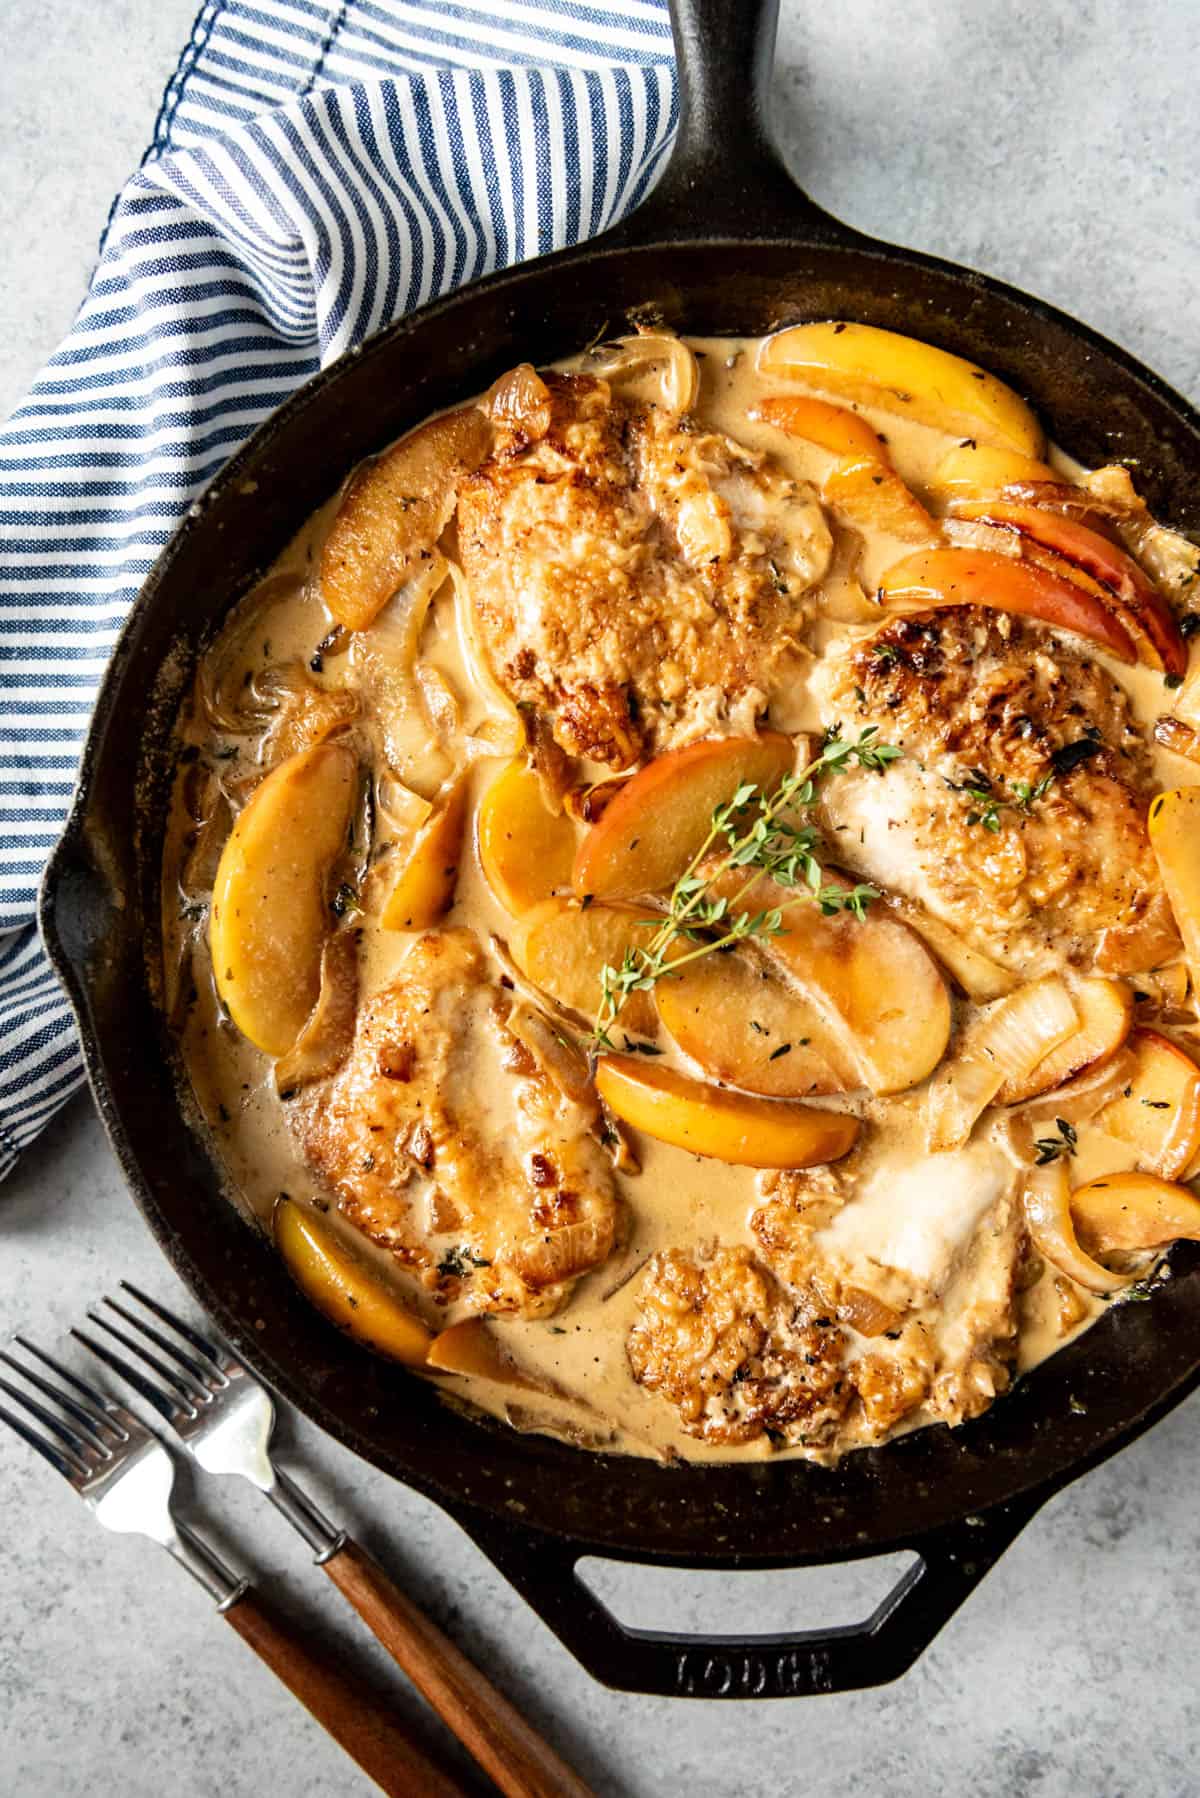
(973, 470)
(1105, 1009)
(393, 512)
(981, 577)
(1174, 828)
(1159, 1112)
(745, 1026)
(341, 1285)
(1127, 1212)
(564, 949)
(879, 991)
(424, 888)
(864, 485)
(269, 918)
(470, 1347)
(728, 1126)
(660, 819)
(903, 375)
(525, 850)
(1137, 602)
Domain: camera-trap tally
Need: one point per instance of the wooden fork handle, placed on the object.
(354, 1717)
(507, 1747)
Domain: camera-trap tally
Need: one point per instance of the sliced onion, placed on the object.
(1006, 1043)
(385, 655)
(1180, 738)
(1048, 1218)
(1185, 704)
(441, 701)
(980, 978)
(225, 710)
(325, 1040)
(502, 732)
(628, 363)
(520, 402)
(556, 1053)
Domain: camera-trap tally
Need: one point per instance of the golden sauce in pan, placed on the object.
(927, 1234)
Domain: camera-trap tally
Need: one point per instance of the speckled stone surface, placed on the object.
(1052, 143)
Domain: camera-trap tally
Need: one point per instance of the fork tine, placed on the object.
(85, 1419)
(79, 1448)
(68, 1467)
(199, 1374)
(102, 1408)
(185, 1398)
(198, 1342)
(165, 1405)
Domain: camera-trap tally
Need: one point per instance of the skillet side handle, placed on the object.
(725, 177)
(800, 1664)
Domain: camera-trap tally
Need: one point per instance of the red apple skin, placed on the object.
(605, 864)
(957, 577)
(1141, 607)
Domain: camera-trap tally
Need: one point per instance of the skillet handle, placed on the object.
(725, 177)
(849, 1658)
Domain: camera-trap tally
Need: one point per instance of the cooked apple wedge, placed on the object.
(471, 1347)
(525, 850)
(728, 1126)
(424, 888)
(660, 819)
(1105, 1010)
(269, 917)
(902, 375)
(1159, 1112)
(1137, 602)
(875, 985)
(744, 1025)
(1127, 1212)
(341, 1285)
(863, 486)
(393, 512)
(974, 470)
(981, 577)
(1174, 827)
(563, 949)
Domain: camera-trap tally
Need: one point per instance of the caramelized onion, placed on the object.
(384, 655)
(520, 402)
(1048, 1217)
(1006, 1043)
(502, 732)
(980, 978)
(1180, 738)
(325, 1040)
(629, 363)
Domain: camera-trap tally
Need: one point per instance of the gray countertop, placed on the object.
(1053, 144)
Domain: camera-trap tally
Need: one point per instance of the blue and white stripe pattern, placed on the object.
(318, 168)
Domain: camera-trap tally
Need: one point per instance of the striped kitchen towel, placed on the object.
(318, 168)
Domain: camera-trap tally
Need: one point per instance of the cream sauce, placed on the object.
(912, 1216)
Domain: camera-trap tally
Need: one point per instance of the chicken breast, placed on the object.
(1018, 812)
(641, 581)
(446, 1140)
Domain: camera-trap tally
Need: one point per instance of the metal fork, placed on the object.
(225, 1420)
(125, 1476)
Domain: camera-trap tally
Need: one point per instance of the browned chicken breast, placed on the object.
(1018, 813)
(448, 1141)
(640, 580)
(717, 1339)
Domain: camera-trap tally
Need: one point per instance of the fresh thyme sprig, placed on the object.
(762, 840)
(988, 803)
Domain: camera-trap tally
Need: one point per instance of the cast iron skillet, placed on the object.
(725, 244)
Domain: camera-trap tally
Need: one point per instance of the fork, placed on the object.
(225, 1420)
(125, 1476)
